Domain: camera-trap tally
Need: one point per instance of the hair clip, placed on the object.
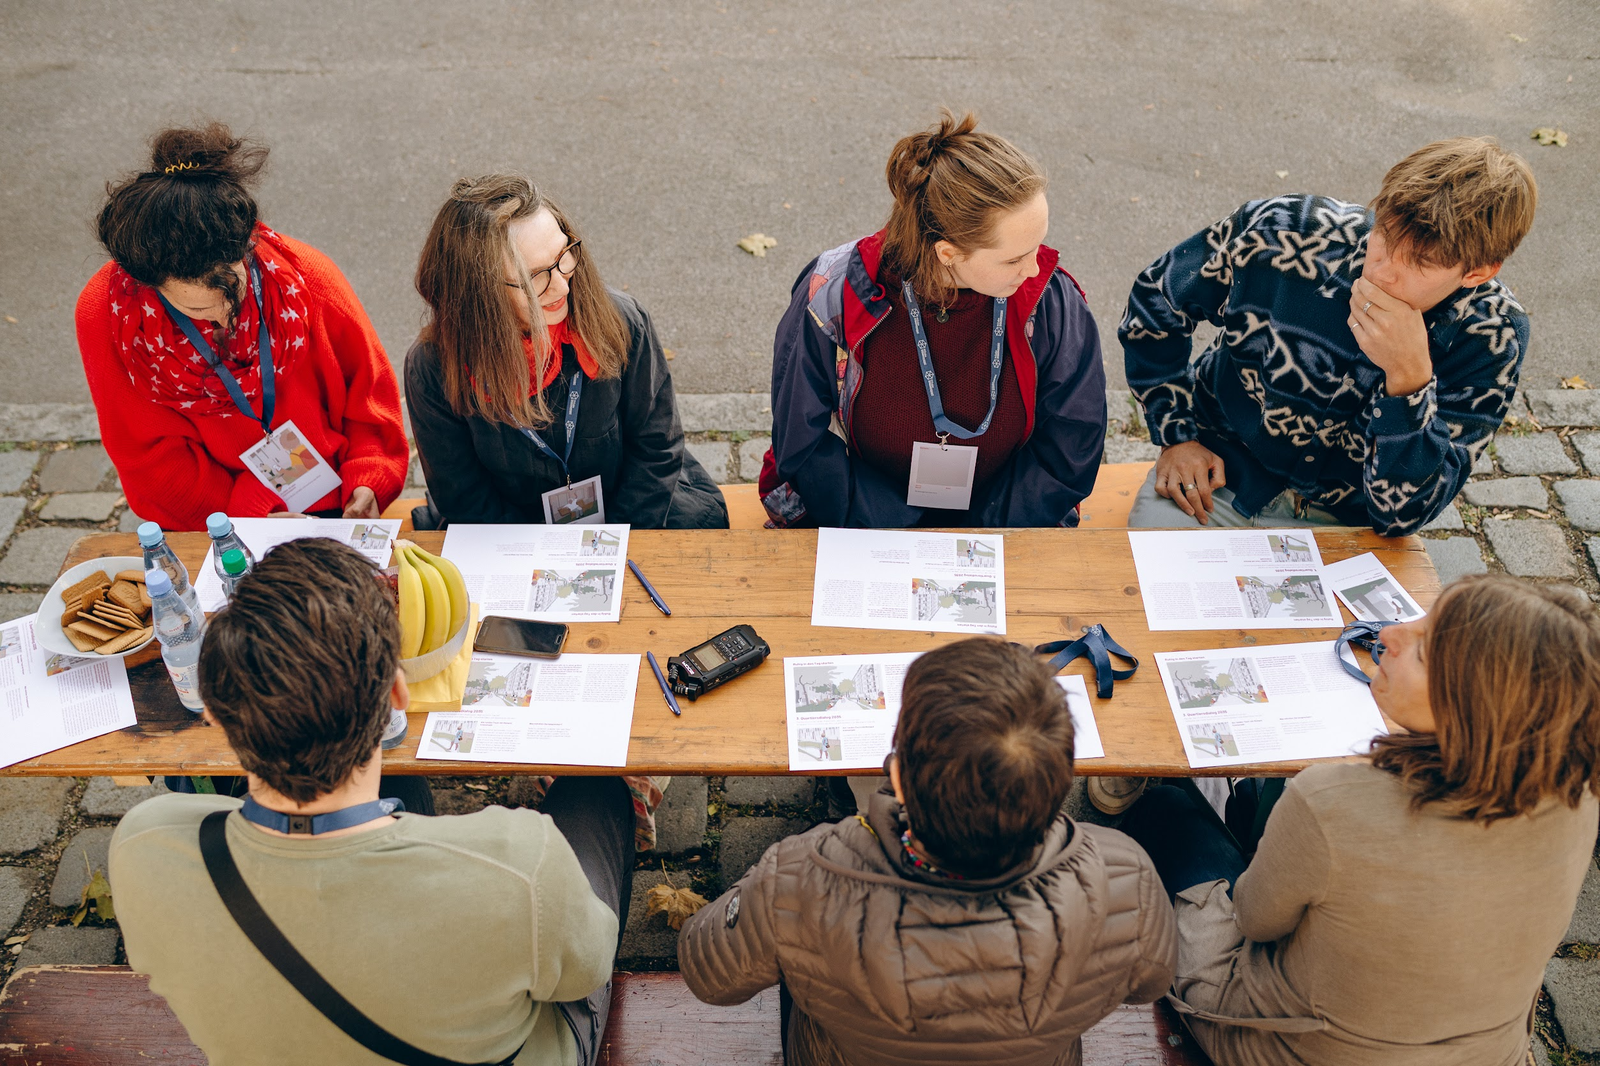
(181, 166)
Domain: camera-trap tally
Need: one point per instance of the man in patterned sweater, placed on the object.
(1365, 357)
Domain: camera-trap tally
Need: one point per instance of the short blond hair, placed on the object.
(1514, 684)
(1463, 202)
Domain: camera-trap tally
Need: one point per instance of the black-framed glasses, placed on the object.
(567, 264)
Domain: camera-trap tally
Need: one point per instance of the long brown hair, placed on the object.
(1514, 685)
(461, 275)
(191, 215)
(950, 183)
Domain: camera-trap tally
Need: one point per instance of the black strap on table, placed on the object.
(1099, 646)
(1366, 635)
(294, 967)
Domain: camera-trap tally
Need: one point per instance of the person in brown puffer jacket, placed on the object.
(963, 919)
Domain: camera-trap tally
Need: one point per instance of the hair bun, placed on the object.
(210, 151)
(912, 160)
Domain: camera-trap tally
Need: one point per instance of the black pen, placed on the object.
(666, 689)
(655, 597)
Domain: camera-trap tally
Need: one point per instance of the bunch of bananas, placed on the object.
(433, 599)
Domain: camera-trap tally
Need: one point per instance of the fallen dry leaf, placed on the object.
(1550, 135)
(757, 244)
(1281, 174)
(676, 903)
(11, 940)
(11, 320)
(1574, 382)
(669, 353)
(1518, 38)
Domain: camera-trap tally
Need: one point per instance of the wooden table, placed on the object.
(1057, 582)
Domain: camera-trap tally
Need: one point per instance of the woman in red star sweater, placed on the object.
(175, 332)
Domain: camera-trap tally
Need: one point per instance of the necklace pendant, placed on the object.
(942, 314)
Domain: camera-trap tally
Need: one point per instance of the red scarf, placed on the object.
(161, 361)
(559, 335)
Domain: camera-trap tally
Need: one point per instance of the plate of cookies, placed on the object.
(98, 607)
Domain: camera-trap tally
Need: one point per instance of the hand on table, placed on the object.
(1392, 334)
(1186, 474)
(363, 503)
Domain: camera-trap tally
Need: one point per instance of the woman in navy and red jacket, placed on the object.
(849, 400)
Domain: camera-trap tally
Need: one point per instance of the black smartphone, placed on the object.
(518, 636)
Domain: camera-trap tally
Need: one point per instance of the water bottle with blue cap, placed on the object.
(224, 538)
(158, 555)
(179, 627)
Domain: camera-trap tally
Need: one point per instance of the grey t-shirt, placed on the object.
(453, 933)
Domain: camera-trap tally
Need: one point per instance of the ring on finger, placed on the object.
(1188, 488)
(1366, 307)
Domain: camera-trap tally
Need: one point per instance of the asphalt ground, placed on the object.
(670, 130)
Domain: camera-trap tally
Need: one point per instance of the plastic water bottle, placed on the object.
(234, 566)
(158, 555)
(179, 628)
(224, 540)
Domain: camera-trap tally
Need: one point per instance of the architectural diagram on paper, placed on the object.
(451, 735)
(1294, 596)
(842, 709)
(972, 602)
(599, 542)
(1370, 591)
(820, 744)
(1216, 682)
(975, 551)
(586, 591)
(820, 689)
(1291, 548)
(499, 682)
(1232, 579)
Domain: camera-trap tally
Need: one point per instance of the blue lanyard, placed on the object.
(941, 424)
(269, 398)
(573, 395)
(317, 824)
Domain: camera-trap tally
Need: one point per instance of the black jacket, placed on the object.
(628, 433)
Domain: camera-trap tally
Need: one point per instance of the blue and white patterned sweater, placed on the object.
(1284, 394)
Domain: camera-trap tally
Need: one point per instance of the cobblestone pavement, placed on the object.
(1532, 509)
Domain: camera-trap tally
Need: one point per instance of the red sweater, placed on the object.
(177, 468)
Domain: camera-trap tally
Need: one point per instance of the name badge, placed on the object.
(285, 462)
(942, 475)
(581, 501)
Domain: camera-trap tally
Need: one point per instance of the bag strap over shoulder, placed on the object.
(295, 968)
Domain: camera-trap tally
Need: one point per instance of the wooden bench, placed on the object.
(1106, 508)
(107, 1016)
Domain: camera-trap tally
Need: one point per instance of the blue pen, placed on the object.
(655, 597)
(666, 689)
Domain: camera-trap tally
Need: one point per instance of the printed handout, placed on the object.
(1232, 579)
(1370, 591)
(564, 573)
(1267, 704)
(573, 711)
(935, 582)
(54, 700)
(842, 710)
(372, 537)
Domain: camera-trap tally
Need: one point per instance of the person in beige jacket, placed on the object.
(1401, 909)
(961, 919)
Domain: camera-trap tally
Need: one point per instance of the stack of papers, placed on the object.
(54, 700)
(373, 538)
(933, 582)
(573, 711)
(570, 573)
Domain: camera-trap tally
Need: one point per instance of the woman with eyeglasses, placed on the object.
(1402, 908)
(232, 367)
(536, 393)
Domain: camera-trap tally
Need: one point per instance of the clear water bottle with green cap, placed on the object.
(180, 628)
(158, 555)
(235, 564)
(224, 538)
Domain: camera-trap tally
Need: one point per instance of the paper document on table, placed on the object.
(1085, 733)
(843, 708)
(372, 537)
(52, 700)
(568, 573)
(1267, 704)
(883, 579)
(1370, 591)
(1232, 579)
(573, 711)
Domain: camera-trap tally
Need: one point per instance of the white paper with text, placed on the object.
(1268, 703)
(1232, 579)
(573, 711)
(887, 579)
(1370, 591)
(568, 573)
(372, 537)
(49, 700)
